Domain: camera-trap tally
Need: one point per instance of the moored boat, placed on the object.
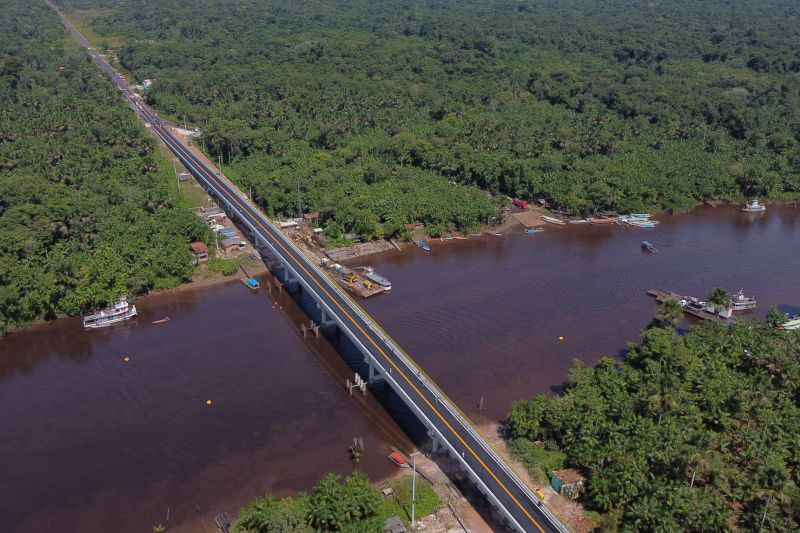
(740, 302)
(398, 458)
(754, 207)
(791, 325)
(118, 312)
(642, 223)
(531, 231)
(424, 245)
(370, 274)
(553, 220)
(161, 320)
(600, 221)
(647, 245)
(250, 283)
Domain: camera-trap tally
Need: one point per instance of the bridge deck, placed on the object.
(512, 497)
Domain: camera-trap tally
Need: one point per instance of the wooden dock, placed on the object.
(692, 306)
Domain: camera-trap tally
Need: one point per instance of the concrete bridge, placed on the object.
(449, 429)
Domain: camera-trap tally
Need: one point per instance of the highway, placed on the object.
(523, 510)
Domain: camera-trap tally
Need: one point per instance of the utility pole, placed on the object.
(299, 208)
(219, 167)
(413, 485)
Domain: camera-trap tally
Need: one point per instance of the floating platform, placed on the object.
(691, 307)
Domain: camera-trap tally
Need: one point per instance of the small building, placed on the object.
(200, 251)
(184, 176)
(231, 245)
(394, 525)
(568, 482)
(311, 217)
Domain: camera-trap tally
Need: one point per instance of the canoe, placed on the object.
(531, 231)
(424, 245)
(161, 321)
(602, 221)
(553, 220)
(397, 458)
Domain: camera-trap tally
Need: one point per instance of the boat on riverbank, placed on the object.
(792, 324)
(641, 223)
(424, 245)
(754, 207)
(601, 221)
(371, 275)
(250, 283)
(398, 458)
(740, 302)
(531, 231)
(120, 311)
(553, 220)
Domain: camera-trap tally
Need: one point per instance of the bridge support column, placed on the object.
(325, 320)
(434, 443)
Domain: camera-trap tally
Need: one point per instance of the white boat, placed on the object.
(119, 312)
(642, 223)
(754, 207)
(740, 302)
(553, 220)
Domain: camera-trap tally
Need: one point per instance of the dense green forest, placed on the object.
(86, 213)
(372, 108)
(699, 432)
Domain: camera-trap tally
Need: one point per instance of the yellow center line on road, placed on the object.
(369, 337)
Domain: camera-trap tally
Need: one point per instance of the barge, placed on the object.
(690, 305)
(371, 275)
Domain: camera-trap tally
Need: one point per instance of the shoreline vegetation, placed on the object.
(693, 432)
(377, 116)
(349, 505)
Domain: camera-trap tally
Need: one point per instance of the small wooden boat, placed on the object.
(647, 245)
(495, 234)
(600, 221)
(250, 283)
(531, 231)
(553, 220)
(424, 245)
(398, 458)
(642, 223)
(161, 320)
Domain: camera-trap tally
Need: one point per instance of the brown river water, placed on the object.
(92, 443)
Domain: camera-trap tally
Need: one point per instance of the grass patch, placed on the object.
(538, 461)
(400, 503)
(82, 19)
(227, 267)
(193, 193)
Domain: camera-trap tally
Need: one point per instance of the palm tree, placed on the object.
(719, 298)
(669, 314)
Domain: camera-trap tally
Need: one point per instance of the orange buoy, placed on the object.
(126, 358)
(208, 402)
(560, 338)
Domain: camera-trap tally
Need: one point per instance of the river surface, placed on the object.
(92, 443)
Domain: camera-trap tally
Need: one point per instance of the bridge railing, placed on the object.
(407, 361)
(429, 384)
